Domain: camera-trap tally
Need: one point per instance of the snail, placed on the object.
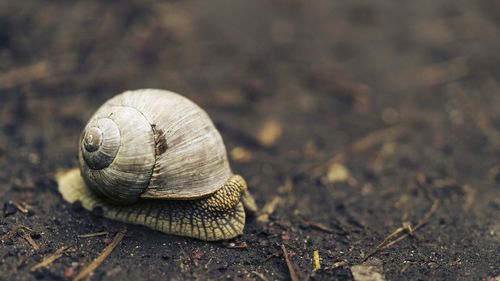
(153, 157)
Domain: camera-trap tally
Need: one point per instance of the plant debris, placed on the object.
(51, 258)
(88, 235)
(23, 207)
(290, 265)
(406, 229)
(101, 257)
(240, 245)
(316, 263)
(270, 132)
(370, 270)
(28, 238)
(268, 209)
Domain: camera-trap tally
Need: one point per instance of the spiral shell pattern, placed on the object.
(152, 144)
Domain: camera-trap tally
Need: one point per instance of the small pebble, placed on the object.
(3, 230)
(36, 235)
(69, 272)
(197, 255)
(264, 243)
(285, 237)
(9, 209)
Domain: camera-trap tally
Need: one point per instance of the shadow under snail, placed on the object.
(154, 158)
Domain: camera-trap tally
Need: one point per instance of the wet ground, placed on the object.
(351, 121)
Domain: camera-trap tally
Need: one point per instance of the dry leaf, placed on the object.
(270, 132)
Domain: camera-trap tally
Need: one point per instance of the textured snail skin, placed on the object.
(218, 217)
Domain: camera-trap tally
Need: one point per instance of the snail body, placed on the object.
(153, 157)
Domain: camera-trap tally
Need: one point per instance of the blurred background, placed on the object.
(349, 120)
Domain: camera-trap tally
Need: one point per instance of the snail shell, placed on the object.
(142, 152)
(152, 144)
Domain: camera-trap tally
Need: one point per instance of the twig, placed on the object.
(25, 74)
(388, 238)
(208, 263)
(102, 233)
(376, 137)
(387, 243)
(261, 276)
(275, 254)
(23, 207)
(51, 258)
(104, 254)
(319, 226)
(293, 274)
(28, 238)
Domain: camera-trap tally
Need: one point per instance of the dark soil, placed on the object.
(389, 112)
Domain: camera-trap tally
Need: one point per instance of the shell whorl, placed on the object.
(152, 144)
(120, 164)
(100, 143)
